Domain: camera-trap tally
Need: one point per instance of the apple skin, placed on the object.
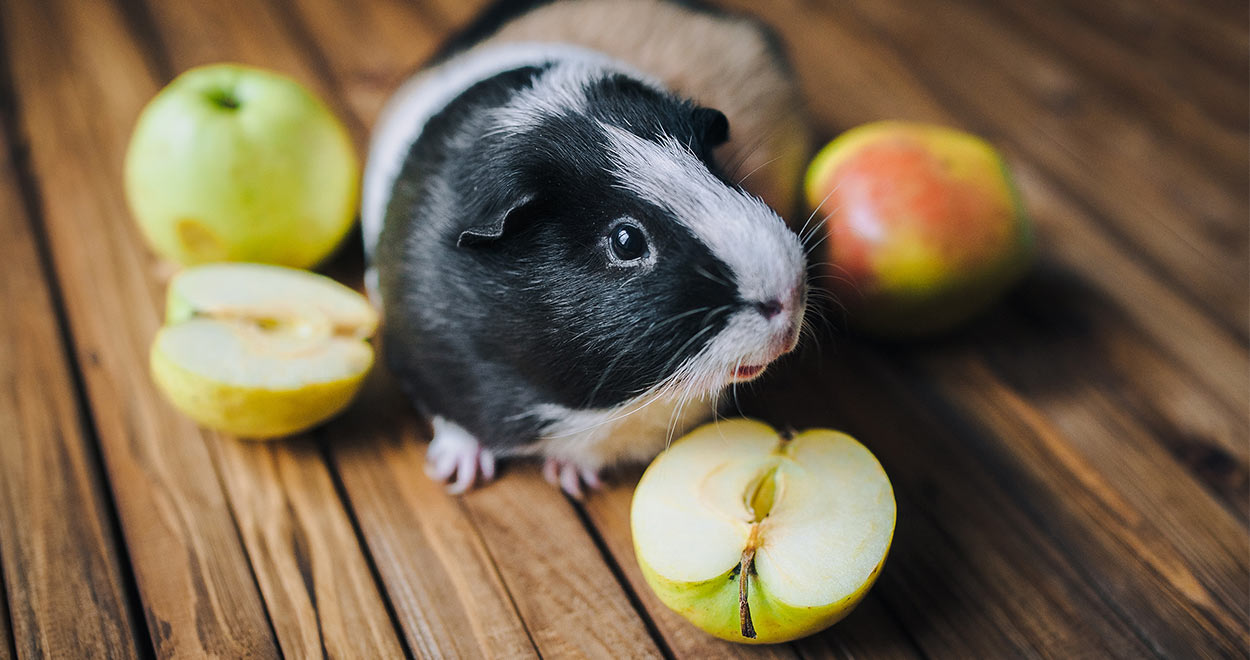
(231, 163)
(713, 607)
(926, 227)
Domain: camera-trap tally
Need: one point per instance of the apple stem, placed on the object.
(787, 433)
(744, 608)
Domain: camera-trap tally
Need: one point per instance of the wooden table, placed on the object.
(1071, 471)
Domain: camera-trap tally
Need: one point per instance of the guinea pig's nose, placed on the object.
(769, 308)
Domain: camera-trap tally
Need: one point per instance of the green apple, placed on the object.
(925, 226)
(261, 351)
(231, 163)
(758, 536)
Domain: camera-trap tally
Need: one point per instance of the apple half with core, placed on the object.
(925, 226)
(232, 163)
(261, 351)
(758, 536)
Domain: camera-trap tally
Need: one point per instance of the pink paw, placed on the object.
(570, 477)
(457, 457)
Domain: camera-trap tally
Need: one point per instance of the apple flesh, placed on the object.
(925, 226)
(231, 163)
(757, 536)
(261, 351)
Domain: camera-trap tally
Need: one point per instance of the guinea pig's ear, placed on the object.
(711, 125)
(494, 222)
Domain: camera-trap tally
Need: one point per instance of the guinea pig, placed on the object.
(557, 229)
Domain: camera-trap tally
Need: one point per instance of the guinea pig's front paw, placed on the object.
(570, 477)
(457, 457)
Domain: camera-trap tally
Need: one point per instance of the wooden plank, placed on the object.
(439, 576)
(1192, 233)
(1200, 52)
(1197, 356)
(1112, 68)
(1172, 561)
(871, 631)
(62, 563)
(315, 580)
(365, 72)
(1134, 349)
(439, 566)
(77, 101)
(571, 602)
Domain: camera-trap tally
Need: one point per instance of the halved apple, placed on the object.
(261, 351)
(758, 536)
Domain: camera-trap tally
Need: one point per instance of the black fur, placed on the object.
(494, 268)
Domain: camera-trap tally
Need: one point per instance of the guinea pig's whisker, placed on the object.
(758, 168)
(638, 339)
(671, 364)
(803, 230)
(750, 150)
(809, 249)
(653, 394)
(702, 271)
(686, 383)
(846, 279)
(677, 411)
(816, 229)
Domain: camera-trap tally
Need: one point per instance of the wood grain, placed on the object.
(60, 557)
(1116, 71)
(76, 104)
(315, 580)
(439, 576)
(1200, 52)
(1122, 503)
(364, 72)
(570, 600)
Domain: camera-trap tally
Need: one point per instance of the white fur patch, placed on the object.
(425, 94)
(765, 256)
(634, 431)
(559, 90)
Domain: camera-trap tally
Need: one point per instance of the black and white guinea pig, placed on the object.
(558, 232)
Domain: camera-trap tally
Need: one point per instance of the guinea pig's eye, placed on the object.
(628, 242)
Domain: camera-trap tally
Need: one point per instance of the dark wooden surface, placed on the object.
(1071, 470)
